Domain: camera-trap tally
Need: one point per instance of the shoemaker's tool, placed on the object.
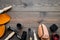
(24, 35)
(5, 9)
(30, 34)
(12, 33)
(35, 36)
(43, 32)
(19, 27)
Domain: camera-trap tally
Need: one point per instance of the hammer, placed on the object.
(14, 31)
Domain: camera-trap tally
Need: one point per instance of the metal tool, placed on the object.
(14, 31)
(24, 35)
(30, 34)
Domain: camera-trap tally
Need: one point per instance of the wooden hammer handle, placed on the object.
(9, 36)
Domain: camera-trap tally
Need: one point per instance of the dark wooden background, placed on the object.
(30, 16)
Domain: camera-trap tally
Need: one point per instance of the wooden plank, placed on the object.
(16, 2)
(33, 8)
(33, 5)
(28, 19)
(37, 8)
(30, 15)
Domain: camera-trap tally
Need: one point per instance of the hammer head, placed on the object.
(12, 29)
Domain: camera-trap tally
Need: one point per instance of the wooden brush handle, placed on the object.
(9, 36)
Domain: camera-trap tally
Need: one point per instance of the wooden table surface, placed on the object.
(29, 18)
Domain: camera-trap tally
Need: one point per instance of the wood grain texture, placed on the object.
(30, 16)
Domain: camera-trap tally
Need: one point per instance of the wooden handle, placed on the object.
(35, 36)
(5, 9)
(30, 38)
(9, 36)
(1, 11)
